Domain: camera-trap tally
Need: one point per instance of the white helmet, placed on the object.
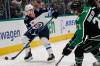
(28, 7)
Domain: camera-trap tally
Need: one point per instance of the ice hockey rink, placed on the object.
(40, 56)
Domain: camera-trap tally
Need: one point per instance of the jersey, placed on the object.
(39, 11)
(40, 21)
(33, 25)
(27, 21)
(37, 22)
(88, 25)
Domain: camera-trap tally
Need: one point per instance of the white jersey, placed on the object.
(39, 21)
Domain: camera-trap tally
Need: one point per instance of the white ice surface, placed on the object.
(40, 56)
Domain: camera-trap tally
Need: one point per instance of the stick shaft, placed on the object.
(59, 60)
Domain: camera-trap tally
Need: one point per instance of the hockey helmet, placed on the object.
(28, 7)
(76, 5)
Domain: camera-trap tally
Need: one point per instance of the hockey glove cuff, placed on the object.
(67, 50)
(55, 14)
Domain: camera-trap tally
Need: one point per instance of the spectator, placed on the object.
(98, 3)
(16, 8)
(39, 7)
(1, 9)
(43, 6)
(68, 6)
(50, 9)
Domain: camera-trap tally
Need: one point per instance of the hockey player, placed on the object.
(87, 35)
(32, 32)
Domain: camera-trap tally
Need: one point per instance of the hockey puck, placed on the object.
(6, 58)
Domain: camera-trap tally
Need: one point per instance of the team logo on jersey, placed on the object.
(38, 25)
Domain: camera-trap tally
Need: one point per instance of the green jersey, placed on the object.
(88, 24)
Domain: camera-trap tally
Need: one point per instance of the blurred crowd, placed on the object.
(15, 8)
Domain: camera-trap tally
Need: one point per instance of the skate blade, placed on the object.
(50, 61)
(28, 60)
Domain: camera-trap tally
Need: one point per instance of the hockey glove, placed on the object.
(67, 50)
(55, 14)
(31, 31)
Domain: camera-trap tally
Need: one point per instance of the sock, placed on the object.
(48, 48)
(79, 60)
(47, 45)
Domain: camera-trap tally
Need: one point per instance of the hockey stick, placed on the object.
(59, 60)
(14, 57)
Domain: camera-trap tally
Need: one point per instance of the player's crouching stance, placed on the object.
(87, 36)
(32, 32)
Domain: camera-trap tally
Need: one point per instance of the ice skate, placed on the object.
(96, 64)
(51, 58)
(28, 57)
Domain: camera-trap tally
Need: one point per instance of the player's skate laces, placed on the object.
(51, 58)
(96, 64)
(28, 57)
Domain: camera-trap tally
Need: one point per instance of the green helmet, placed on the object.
(76, 5)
